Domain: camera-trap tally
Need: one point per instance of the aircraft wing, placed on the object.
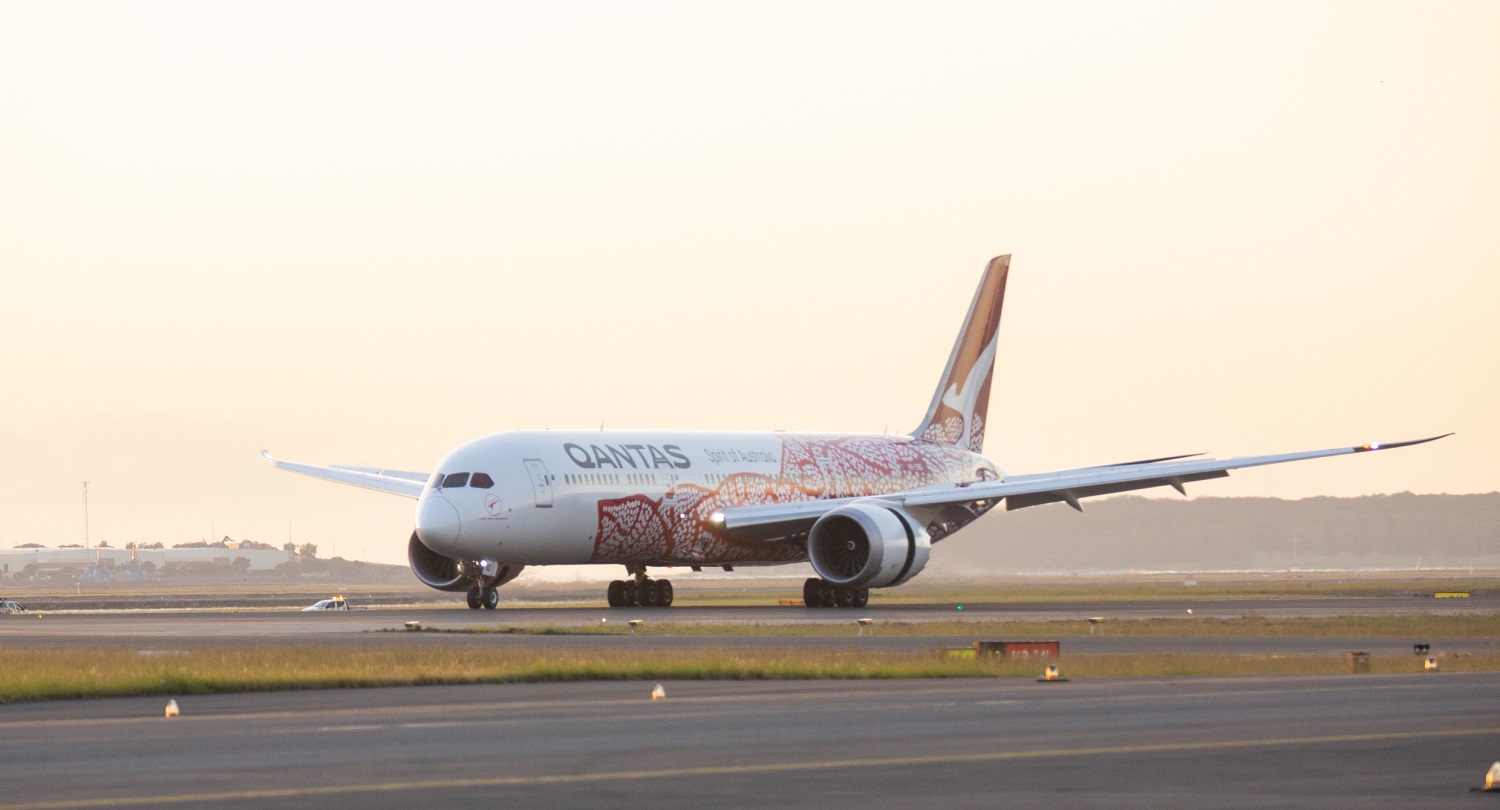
(396, 482)
(1020, 491)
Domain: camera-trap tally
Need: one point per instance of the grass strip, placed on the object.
(48, 674)
(1416, 626)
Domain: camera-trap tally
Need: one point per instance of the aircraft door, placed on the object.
(541, 482)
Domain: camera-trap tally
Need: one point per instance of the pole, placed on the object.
(85, 520)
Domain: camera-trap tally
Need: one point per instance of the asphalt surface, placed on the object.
(1365, 741)
(1370, 741)
(157, 630)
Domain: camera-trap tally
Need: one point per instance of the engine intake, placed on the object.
(868, 545)
(448, 574)
(433, 569)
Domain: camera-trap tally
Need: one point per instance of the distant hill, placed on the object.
(1127, 533)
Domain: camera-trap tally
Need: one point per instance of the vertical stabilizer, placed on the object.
(962, 400)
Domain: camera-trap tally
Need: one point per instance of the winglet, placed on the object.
(1365, 448)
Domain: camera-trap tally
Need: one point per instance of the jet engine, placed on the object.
(449, 574)
(868, 545)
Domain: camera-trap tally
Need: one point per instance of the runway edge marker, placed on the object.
(1491, 781)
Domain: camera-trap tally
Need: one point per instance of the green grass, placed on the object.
(47, 674)
(1417, 626)
(32, 674)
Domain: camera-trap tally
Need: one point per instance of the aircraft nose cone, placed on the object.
(438, 524)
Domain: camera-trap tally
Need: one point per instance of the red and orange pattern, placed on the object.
(674, 529)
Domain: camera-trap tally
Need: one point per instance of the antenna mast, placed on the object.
(85, 519)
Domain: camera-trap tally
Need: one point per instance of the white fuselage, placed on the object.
(569, 497)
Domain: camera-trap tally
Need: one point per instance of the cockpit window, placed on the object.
(455, 480)
(481, 481)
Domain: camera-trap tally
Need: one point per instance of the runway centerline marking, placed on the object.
(732, 770)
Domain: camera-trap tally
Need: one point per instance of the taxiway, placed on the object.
(1367, 741)
(149, 630)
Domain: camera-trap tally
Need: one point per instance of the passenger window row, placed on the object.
(605, 479)
(455, 480)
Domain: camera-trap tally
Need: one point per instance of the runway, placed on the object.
(151, 630)
(1368, 741)
(1376, 741)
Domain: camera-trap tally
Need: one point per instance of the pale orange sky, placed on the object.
(364, 233)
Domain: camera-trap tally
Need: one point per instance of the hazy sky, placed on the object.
(364, 233)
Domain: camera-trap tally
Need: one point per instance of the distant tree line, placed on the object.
(1131, 532)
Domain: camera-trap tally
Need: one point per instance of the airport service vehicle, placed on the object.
(336, 603)
(865, 510)
(10, 606)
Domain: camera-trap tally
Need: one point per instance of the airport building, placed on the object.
(126, 563)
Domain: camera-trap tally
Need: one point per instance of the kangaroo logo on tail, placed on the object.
(957, 413)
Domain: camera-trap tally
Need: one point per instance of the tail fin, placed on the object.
(961, 402)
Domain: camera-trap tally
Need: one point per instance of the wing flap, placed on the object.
(1071, 496)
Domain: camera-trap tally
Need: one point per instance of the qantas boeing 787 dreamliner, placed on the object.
(865, 510)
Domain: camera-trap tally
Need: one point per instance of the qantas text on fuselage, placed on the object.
(864, 510)
(620, 457)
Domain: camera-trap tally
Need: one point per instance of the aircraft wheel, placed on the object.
(812, 593)
(491, 598)
(842, 597)
(630, 595)
(861, 597)
(650, 594)
(825, 593)
(664, 593)
(475, 593)
(616, 594)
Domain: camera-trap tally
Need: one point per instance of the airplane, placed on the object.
(865, 510)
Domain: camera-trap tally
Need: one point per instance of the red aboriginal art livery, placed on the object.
(678, 527)
(863, 510)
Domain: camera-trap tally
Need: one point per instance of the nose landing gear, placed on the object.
(483, 597)
(640, 591)
(820, 593)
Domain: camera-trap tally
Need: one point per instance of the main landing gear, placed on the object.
(640, 591)
(481, 597)
(820, 593)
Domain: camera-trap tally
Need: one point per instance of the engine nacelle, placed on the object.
(868, 545)
(449, 574)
